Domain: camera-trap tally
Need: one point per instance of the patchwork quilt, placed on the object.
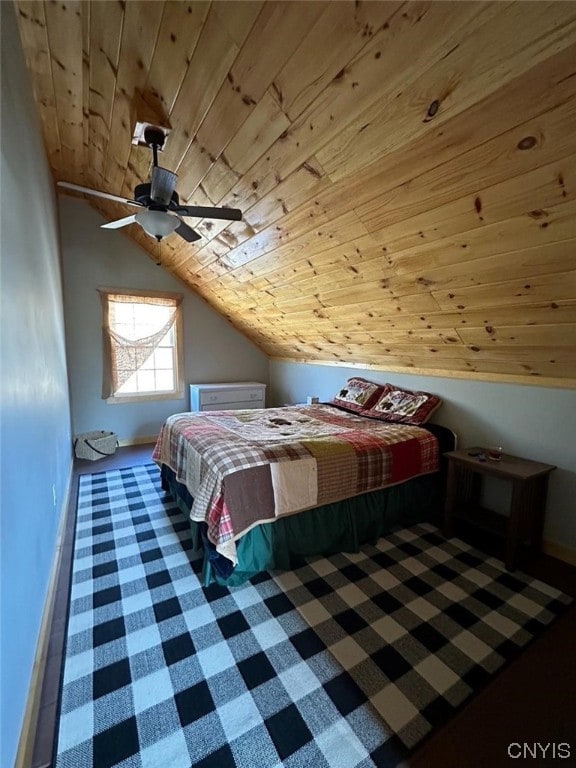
(248, 467)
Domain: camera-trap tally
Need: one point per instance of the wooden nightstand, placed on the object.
(522, 529)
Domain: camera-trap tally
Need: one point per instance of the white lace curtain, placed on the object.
(125, 351)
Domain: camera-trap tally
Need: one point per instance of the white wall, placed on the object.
(95, 257)
(534, 422)
(35, 435)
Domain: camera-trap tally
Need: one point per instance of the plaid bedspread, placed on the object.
(248, 467)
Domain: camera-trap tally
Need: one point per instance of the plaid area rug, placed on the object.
(420, 623)
(345, 662)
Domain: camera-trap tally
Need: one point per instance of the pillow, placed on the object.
(358, 394)
(403, 406)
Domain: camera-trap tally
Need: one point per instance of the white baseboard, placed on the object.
(137, 441)
(30, 719)
(567, 554)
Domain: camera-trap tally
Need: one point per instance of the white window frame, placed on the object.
(108, 393)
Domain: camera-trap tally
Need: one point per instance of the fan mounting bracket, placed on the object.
(154, 136)
(149, 135)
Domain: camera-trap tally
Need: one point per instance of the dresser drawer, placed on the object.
(242, 406)
(224, 396)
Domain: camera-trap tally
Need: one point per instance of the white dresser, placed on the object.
(227, 397)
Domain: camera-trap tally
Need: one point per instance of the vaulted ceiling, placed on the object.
(406, 171)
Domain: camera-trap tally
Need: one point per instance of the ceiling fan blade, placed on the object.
(119, 222)
(97, 193)
(204, 212)
(163, 183)
(187, 233)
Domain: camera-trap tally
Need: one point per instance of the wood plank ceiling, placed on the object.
(406, 170)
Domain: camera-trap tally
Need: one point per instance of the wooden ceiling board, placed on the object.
(178, 35)
(206, 70)
(258, 132)
(64, 24)
(518, 292)
(35, 41)
(454, 83)
(139, 38)
(254, 69)
(538, 227)
(106, 22)
(533, 94)
(371, 77)
(540, 141)
(406, 170)
(374, 319)
(529, 193)
(337, 36)
(304, 182)
(238, 17)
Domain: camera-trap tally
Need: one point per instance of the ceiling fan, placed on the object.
(160, 202)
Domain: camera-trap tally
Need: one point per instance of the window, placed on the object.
(142, 334)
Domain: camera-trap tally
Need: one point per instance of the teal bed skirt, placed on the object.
(339, 527)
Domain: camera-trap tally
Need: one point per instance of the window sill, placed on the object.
(144, 398)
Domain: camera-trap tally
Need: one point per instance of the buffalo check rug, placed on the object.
(347, 661)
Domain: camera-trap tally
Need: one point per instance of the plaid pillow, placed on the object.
(403, 406)
(358, 394)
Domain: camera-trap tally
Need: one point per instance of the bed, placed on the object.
(264, 488)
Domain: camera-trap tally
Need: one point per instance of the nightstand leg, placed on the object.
(450, 504)
(539, 510)
(517, 514)
(526, 518)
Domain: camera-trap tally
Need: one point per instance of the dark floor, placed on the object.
(532, 701)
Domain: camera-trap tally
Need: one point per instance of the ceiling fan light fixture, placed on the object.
(157, 224)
